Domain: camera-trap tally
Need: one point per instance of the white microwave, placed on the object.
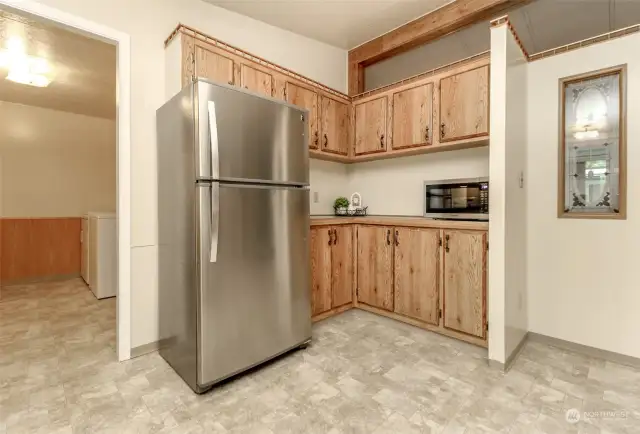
(459, 199)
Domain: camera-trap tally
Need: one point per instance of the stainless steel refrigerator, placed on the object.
(233, 228)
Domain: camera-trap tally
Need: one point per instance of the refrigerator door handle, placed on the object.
(215, 221)
(213, 140)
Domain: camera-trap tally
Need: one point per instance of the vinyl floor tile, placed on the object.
(362, 374)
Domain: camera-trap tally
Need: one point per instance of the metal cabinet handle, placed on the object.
(382, 141)
(316, 140)
(388, 235)
(426, 134)
(446, 243)
(326, 140)
(442, 130)
(397, 237)
(335, 237)
(329, 233)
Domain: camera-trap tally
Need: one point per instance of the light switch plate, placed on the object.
(316, 197)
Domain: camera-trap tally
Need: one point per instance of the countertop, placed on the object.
(418, 222)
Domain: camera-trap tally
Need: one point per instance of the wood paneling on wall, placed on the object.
(39, 248)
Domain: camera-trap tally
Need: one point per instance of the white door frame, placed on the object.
(123, 123)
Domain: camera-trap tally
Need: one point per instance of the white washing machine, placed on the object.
(102, 256)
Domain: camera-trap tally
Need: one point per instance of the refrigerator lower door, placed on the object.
(253, 273)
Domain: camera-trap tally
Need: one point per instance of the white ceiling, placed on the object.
(83, 69)
(541, 25)
(342, 23)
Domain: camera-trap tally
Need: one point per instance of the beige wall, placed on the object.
(395, 186)
(149, 22)
(582, 274)
(54, 163)
(508, 219)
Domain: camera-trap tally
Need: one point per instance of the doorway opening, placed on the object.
(69, 101)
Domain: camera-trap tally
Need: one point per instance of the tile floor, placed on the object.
(362, 374)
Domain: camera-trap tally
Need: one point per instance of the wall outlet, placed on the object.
(316, 197)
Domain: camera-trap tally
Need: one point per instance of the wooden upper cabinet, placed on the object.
(305, 98)
(375, 266)
(320, 246)
(213, 64)
(188, 61)
(342, 265)
(412, 115)
(371, 126)
(464, 105)
(335, 126)
(416, 277)
(256, 80)
(465, 282)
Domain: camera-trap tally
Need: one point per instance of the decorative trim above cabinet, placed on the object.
(400, 119)
(186, 30)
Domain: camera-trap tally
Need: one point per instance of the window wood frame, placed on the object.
(621, 71)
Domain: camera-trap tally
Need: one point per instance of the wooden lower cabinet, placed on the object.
(417, 273)
(429, 277)
(465, 282)
(331, 268)
(342, 266)
(320, 246)
(375, 266)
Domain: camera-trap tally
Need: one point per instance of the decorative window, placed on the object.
(592, 166)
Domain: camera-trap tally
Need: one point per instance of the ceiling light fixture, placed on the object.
(24, 69)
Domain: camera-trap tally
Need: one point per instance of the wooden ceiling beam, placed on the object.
(434, 25)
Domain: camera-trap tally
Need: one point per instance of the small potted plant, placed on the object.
(341, 206)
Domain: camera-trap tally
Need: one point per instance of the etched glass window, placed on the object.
(592, 145)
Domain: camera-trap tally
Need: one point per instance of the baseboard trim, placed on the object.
(145, 349)
(610, 356)
(515, 353)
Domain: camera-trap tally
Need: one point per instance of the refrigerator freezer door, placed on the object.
(246, 137)
(254, 299)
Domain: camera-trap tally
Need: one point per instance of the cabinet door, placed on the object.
(342, 265)
(305, 98)
(320, 245)
(371, 126)
(213, 65)
(417, 265)
(375, 266)
(256, 80)
(464, 105)
(412, 114)
(335, 126)
(464, 282)
(188, 61)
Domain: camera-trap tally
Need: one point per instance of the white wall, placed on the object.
(582, 274)
(497, 194)
(328, 181)
(54, 163)
(395, 186)
(149, 22)
(507, 219)
(516, 324)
